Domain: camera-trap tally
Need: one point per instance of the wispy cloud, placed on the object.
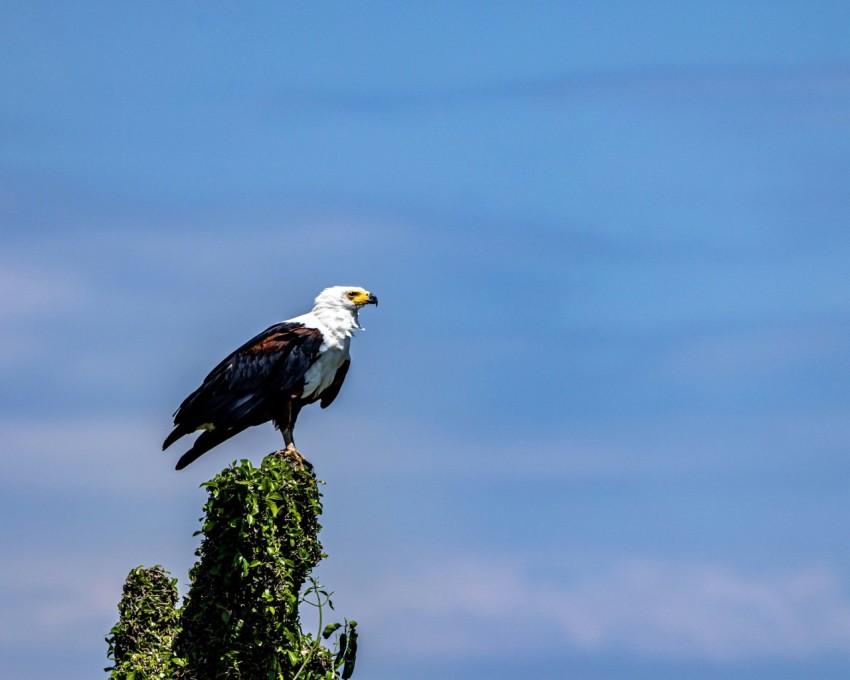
(675, 446)
(65, 601)
(29, 295)
(105, 456)
(30, 291)
(469, 606)
(660, 83)
(756, 353)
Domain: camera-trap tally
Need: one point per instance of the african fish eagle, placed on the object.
(273, 375)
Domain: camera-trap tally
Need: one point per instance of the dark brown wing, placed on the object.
(249, 385)
(330, 393)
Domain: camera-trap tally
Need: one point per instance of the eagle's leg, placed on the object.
(290, 451)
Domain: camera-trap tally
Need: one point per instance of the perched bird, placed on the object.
(273, 375)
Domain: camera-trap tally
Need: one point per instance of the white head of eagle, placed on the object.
(273, 375)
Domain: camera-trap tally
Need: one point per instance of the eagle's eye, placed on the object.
(352, 294)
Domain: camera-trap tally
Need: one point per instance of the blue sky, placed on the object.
(598, 426)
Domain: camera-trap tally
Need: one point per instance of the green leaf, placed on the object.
(350, 653)
(329, 629)
(343, 645)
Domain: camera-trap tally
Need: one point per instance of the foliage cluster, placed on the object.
(240, 618)
(140, 643)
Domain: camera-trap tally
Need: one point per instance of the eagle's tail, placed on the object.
(205, 442)
(190, 456)
(176, 433)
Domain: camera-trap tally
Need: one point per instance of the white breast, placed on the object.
(321, 374)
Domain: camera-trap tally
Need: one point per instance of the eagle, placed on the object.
(274, 375)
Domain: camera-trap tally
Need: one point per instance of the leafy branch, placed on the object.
(240, 618)
(345, 644)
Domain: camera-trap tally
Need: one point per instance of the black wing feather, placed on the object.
(248, 385)
(204, 443)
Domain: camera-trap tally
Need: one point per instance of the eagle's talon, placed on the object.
(295, 455)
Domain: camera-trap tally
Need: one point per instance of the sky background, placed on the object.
(598, 427)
